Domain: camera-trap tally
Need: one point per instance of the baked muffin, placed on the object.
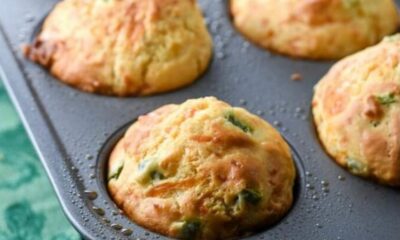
(124, 47)
(356, 110)
(316, 29)
(202, 170)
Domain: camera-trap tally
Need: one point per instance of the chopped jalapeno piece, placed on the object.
(250, 196)
(156, 175)
(190, 229)
(240, 124)
(115, 174)
(375, 123)
(143, 164)
(149, 170)
(357, 167)
(351, 4)
(386, 99)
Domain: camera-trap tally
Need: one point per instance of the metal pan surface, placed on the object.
(74, 131)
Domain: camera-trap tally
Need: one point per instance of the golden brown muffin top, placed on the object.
(317, 29)
(357, 112)
(129, 47)
(202, 169)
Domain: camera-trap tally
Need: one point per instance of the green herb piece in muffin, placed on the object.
(190, 229)
(386, 99)
(230, 117)
(157, 175)
(149, 171)
(250, 196)
(115, 174)
(357, 167)
(351, 4)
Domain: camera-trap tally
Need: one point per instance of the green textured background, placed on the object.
(29, 209)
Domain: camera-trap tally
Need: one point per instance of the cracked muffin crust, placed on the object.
(316, 29)
(202, 170)
(129, 47)
(357, 112)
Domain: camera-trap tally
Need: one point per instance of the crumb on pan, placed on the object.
(296, 77)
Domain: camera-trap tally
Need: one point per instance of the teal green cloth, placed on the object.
(29, 209)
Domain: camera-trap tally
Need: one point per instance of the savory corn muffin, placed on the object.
(356, 110)
(202, 170)
(316, 29)
(124, 47)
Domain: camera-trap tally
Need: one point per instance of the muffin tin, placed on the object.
(74, 131)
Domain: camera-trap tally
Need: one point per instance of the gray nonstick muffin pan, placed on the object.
(74, 131)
